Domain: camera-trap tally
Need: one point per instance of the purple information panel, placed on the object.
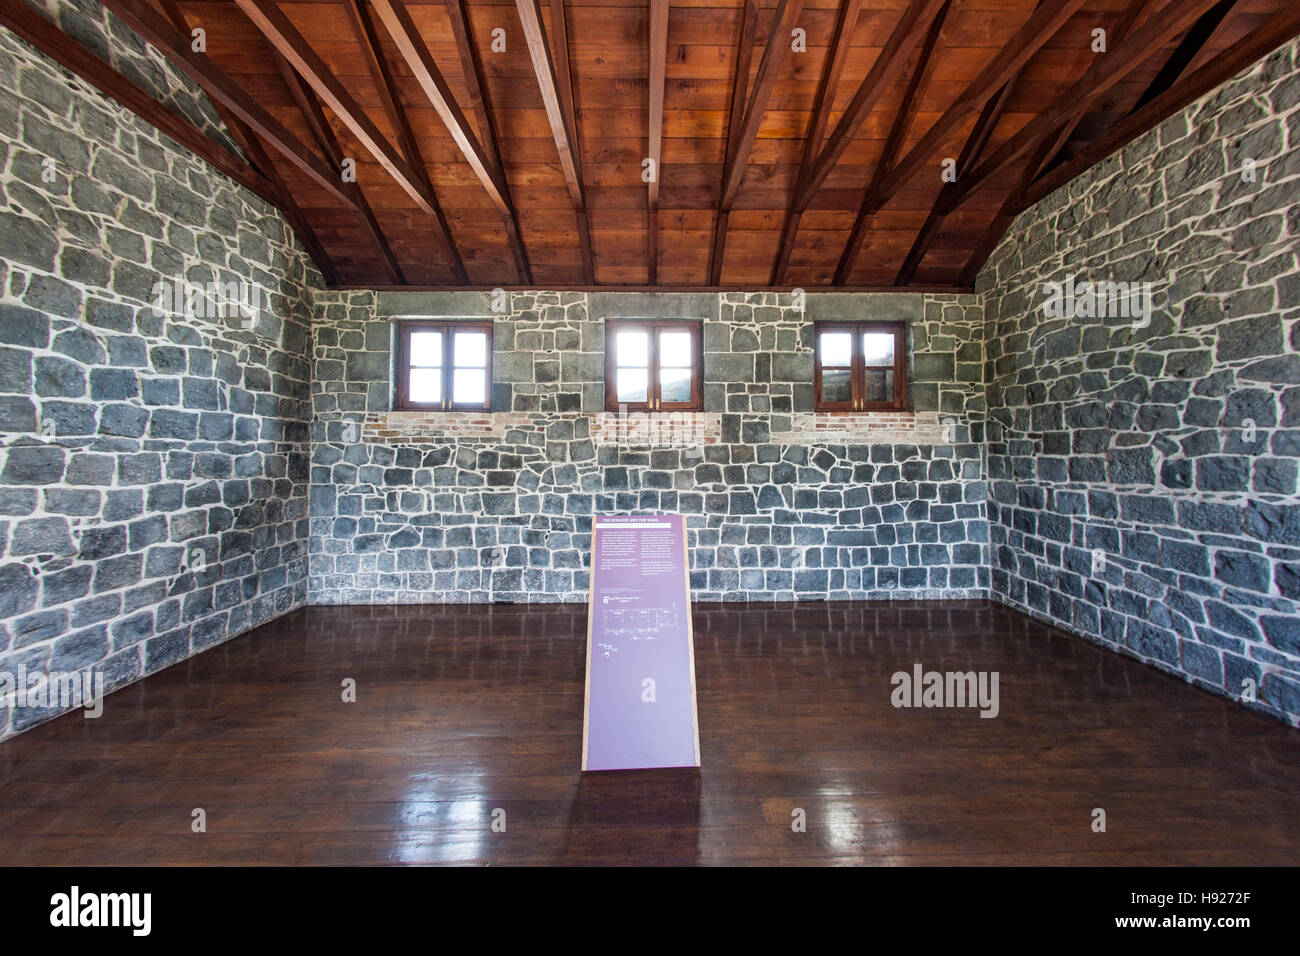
(640, 709)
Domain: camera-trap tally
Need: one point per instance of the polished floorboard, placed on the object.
(464, 710)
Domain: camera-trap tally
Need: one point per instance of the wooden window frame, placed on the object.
(448, 327)
(654, 401)
(858, 367)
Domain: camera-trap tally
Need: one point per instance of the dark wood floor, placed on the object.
(462, 710)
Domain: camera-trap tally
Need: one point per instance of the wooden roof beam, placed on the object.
(887, 68)
(480, 103)
(916, 84)
(1279, 29)
(1108, 70)
(289, 43)
(655, 128)
(316, 120)
(1028, 40)
(970, 151)
(739, 91)
(553, 79)
(845, 21)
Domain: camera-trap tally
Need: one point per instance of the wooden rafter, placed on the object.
(289, 43)
(1028, 40)
(482, 108)
(559, 35)
(739, 90)
(889, 65)
(382, 76)
(741, 144)
(1051, 145)
(1110, 69)
(775, 52)
(319, 125)
(1186, 51)
(655, 128)
(553, 79)
(970, 151)
(916, 84)
(845, 21)
(157, 30)
(397, 21)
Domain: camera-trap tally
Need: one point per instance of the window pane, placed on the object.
(632, 385)
(879, 386)
(469, 387)
(426, 349)
(471, 352)
(426, 385)
(674, 385)
(878, 348)
(836, 349)
(837, 385)
(674, 350)
(633, 349)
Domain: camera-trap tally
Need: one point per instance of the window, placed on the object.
(444, 366)
(860, 366)
(654, 366)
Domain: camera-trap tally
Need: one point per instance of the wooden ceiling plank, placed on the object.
(846, 19)
(922, 70)
(154, 28)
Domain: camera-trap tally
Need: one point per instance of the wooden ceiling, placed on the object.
(504, 142)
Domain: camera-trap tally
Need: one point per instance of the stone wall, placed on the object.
(782, 503)
(1143, 474)
(154, 463)
(91, 25)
